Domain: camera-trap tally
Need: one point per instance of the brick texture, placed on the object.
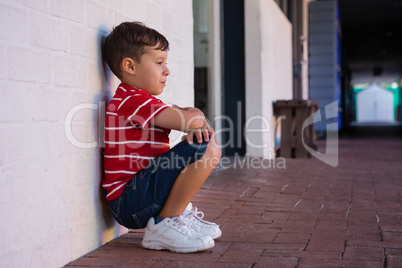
(264, 224)
(50, 63)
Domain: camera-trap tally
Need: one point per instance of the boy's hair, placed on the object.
(129, 40)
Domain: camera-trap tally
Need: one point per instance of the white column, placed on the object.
(268, 43)
(215, 74)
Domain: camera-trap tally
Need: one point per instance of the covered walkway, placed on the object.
(307, 215)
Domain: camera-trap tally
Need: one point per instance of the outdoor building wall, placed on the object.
(325, 60)
(268, 71)
(51, 202)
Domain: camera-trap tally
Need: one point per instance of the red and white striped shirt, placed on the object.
(130, 141)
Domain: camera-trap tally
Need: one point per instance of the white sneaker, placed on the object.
(193, 219)
(174, 235)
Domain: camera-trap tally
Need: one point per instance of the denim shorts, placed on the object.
(145, 195)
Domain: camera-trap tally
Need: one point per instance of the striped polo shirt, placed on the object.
(131, 142)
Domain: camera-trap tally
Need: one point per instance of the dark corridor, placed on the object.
(371, 49)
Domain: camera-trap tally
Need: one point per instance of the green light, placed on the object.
(394, 85)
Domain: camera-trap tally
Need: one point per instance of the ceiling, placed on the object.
(372, 39)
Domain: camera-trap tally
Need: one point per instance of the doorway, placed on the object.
(234, 76)
(375, 104)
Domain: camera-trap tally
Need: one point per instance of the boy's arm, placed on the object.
(182, 119)
(183, 108)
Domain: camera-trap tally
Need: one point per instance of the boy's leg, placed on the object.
(190, 180)
(173, 233)
(145, 195)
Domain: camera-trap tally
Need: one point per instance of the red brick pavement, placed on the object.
(307, 215)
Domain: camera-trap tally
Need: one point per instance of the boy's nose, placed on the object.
(166, 72)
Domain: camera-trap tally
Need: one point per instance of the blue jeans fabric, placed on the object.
(145, 195)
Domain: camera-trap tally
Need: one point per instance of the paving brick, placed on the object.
(196, 264)
(241, 253)
(285, 250)
(292, 238)
(363, 240)
(136, 263)
(277, 262)
(277, 219)
(247, 209)
(394, 261)
(307, 263)
(326, 242)
(320, 260)
(390, 220)
(97, 262)
(333, 226)
(364, 253)
(265, 193)
(386, 206)
(332, 217)
(234, 230)
(260, 233)
(309, 205)
(391, 236)
(288, 199)
(305, 226)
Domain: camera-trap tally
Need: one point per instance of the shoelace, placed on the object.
(180, 223)
(194, 214)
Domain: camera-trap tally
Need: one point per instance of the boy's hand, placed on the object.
(201, 134)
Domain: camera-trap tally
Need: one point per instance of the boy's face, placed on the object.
(151, 72)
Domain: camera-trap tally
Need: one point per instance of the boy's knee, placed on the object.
(214, 149)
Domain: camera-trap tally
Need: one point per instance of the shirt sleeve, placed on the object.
(140, 109)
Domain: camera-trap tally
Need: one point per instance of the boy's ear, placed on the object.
(128, 65)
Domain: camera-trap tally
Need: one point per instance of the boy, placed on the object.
(147, 183)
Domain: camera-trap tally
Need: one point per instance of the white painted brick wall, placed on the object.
(29, 65)
(13, 33)
(73, 10)
(52, 208)
(48, 33)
